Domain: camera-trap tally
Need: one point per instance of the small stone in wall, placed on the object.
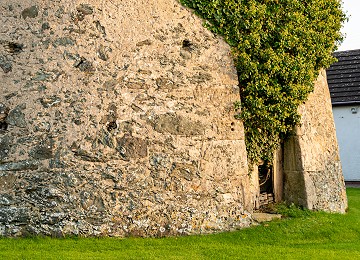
(201, 77)
(110, 85)
(30, 12)
(50, 101)
(84, 65)
(14, 215)
(46, 43)
(71, 56)
(41, 76)
(5, 142)
(60, 12)
(20, 165)
(4, 111)
(45, 26)
(5, 65)
(144, 43)
(131, 147)
(63, 41)
(176, 125)
(6, 199)
(136, 108)
(88, 156)
(184, 171)
(186, 50)
(82, 11)
(85, 9)
(160, 161)
(185, 54)
(99, 27)
(16, 117)
(41, 152)
(165, 83)
(102, 53)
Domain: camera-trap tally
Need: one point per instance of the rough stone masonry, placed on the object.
(117, 119)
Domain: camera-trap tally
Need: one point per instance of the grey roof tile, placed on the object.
(344, 78)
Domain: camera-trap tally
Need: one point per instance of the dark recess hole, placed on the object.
(3, 126)
(266, 186)
(14, 47)
(111, 126)
(265, 178)
(186, 44)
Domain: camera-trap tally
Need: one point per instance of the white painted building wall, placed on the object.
(347, 123)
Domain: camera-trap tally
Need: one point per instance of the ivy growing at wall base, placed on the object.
(279, 47)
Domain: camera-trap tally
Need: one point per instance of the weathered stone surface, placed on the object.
(5, 65)
(5, 145)
(131, 147)
(85, 9)
(16, 117)
(4, 112)
(176, 125)
(19, 165)
(63, 41)
(103, 53)
(84, 65)
(50, 101)
(265, 217)
(41, 151)
(14, 215)
(312, 168)
(30, 12)
(6, 199)
(128, 127)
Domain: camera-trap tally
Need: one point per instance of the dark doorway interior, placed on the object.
(266, 184)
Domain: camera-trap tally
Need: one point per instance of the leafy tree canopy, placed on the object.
(279, 47)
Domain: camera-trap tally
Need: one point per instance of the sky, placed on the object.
(352, 27)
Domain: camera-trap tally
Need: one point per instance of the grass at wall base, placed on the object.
(302, 235)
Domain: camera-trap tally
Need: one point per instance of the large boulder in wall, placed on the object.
(117, 119)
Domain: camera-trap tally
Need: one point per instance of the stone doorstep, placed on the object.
(265, 217)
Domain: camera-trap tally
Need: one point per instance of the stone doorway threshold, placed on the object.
(265, 213)
(265, 217)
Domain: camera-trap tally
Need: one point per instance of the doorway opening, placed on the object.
(266, 184)
(271, 180)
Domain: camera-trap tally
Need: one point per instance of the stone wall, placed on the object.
(312, 167)
(117, 119)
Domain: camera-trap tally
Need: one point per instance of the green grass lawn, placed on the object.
(303, 235)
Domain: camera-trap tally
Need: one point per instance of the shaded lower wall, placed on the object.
(312, 169)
